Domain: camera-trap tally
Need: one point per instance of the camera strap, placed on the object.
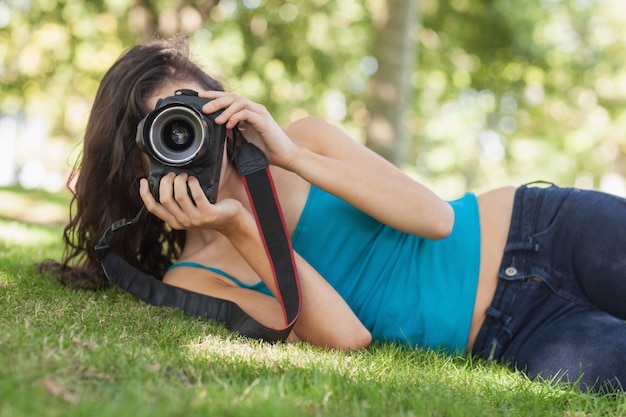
(254, 169)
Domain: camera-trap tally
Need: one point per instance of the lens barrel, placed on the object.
(179, 135)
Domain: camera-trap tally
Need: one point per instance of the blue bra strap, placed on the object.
(209, 268)
(259, 286)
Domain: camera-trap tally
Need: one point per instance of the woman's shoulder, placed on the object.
(313, 133)
(304, 124)
(304, 128)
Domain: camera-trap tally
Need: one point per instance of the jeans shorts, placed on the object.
(559, 308)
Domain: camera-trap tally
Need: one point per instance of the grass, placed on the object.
(72, 353)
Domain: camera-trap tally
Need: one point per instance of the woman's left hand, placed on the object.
(181, 212)
(255, 122)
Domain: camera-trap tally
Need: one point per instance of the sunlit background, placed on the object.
(501, 92)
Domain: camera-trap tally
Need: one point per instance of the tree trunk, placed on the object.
(391, 92)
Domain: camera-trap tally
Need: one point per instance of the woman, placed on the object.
(533, 277)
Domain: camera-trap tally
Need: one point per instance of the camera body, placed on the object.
(178, 137)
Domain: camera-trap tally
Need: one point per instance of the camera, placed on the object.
(178, 137)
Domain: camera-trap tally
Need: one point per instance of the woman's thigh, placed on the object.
(584, 346)
(592, 241)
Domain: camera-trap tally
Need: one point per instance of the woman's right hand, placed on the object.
(256, 123)
(176, 208)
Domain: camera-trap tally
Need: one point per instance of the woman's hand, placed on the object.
(255, 122)
(180, 212)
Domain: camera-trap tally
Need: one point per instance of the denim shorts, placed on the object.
(559, 308)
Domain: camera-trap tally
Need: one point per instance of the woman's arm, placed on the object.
(332, 160)
(325, 318)
(325, 156)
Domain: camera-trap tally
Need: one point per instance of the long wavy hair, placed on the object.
(108, 172)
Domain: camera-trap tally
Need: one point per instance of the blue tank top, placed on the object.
(403, 288)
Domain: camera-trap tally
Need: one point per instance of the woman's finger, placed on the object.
(146, 194)
(154, 206)
(218, 102)
(203, 210)
(181, 193)
(232, 106)
(175, 198)
(213, 93)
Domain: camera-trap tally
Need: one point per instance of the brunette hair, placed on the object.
(107, 174)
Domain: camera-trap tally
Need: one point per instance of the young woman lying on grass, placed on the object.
(534, 277)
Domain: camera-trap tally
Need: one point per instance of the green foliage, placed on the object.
(541, 83)
(289, 55)
(54, 54)
(506, 90)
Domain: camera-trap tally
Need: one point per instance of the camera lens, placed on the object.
(178, 135)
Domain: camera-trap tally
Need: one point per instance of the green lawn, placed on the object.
(71, 353)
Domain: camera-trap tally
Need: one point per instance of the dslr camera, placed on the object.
(178, 137)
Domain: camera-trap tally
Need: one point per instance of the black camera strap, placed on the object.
(254, 169)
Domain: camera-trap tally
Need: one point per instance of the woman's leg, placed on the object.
(594, 231)
(583, 346)
(585, 339)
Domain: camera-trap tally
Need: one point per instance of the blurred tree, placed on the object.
(391, 92)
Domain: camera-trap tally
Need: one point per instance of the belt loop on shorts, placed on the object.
(539, 182)
(528, 202)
